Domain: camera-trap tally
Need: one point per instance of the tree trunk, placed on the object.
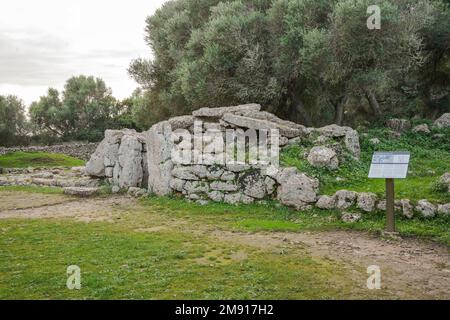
(373, 102)
(339, 108)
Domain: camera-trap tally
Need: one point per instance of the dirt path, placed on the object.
(410, 268)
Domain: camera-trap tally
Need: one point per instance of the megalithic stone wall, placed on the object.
(130, 159)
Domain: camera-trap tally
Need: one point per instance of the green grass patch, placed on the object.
(33, 189)
(118, 263)
(274, 217)
(38, 159)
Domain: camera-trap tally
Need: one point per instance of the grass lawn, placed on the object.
(117, 262)
(38, 159)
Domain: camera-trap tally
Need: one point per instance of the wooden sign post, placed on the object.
(390, 166)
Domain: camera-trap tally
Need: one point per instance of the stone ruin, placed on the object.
(128, 159)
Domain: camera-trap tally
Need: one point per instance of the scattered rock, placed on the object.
(81, 192)
(425, 209)
(366, 201)
(407, 208)
(443, 121)
(444, 209)
(398, 125)
(326, 202)
(375, 141)
(421, 128)
(345, 199)
(323, 157)
(350, 217)
(115, 189)
(296, 189)
(136, 192)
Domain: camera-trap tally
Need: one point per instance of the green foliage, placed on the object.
(83, 111)
(37, 159)
(13, 124)
(303, 59)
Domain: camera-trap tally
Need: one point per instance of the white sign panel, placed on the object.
(389, 165)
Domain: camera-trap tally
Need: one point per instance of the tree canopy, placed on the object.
(311, 61)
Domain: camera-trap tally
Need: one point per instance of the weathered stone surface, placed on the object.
(216, 196)
(115, 189)
(130, 161)
(238, 167)
(228, 176)
(374, 141)
(421, 128)
(177, 184)
(232, 198)
(253, 185)
(181, 122)
(81, 192)
(323, 157)
(345, 199)
(195, 187)
(296, 189)
(257, 124)
(351, 141)
(223, 186)
(443, 121)
(398, 125)
(350, 217)
(136, 192)
(214, 173)
(425, 208)
(270, 185)
(366, 201)
(184, 172)
(445, 179)
(326, 202)
(159, 147)
(407, 208)
(444, 209)
(333, 131)
(382, 205)
(219, 112)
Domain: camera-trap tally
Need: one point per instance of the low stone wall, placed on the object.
(146, 160)
(80, 150)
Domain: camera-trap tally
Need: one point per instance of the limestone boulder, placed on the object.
(345, 199)
(130, 162)
(350, 217)
(443, 121)
(444, 209)
(253, 184)
(366, 201)
(398, 125)
(220, 111)
(326, 202)
(407, 208)
(421, 128)
(321, 157)
(296, 189)
(426, 209)
(159, 147)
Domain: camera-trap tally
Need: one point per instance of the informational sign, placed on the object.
(389, 165)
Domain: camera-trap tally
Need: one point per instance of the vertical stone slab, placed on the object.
(159, 147)
(130, 161)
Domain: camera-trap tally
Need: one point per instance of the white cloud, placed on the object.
(45, 42)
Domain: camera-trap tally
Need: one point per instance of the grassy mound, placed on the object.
(38, 159)
(430, 158)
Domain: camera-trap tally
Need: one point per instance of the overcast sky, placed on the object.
(45, 42)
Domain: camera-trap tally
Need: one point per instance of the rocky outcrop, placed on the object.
(443, 121)
(323, 157)
(349, 136)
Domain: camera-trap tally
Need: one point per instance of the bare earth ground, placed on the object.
(410, 268)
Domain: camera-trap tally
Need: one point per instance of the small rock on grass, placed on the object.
(350, 217)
